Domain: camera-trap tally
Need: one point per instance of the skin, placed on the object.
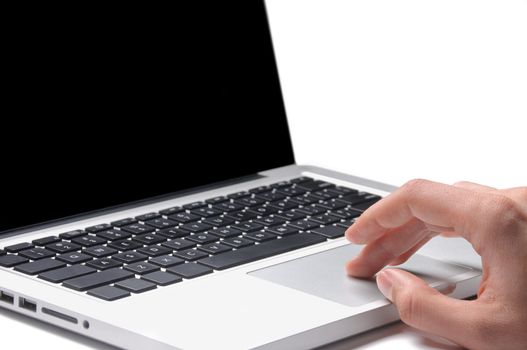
(493, 221)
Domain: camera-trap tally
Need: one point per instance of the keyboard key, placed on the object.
(141, 267)
(259, 236)
(113, 234)
(305, 199)
(109, 293)
(312, 210)
(283, 205)
(138, 229)
(74, 258)
(263, 210)
(196, 227)
(332, 205)
(241, 215)
(170, 211)
(97, 228)
(161, 278)
(65, 273)
(354, 199)
(124, 245)
(38, 266)
(149, 238)
(341, 190)
(225, 232)
(10, 260)
(72, 234)
(89, 241)
(147, 216)
(63, 247)
(346, 213)
(270, 221)
(99, 251)
(330, 231)
(365, 205)
(130, 257)
(301, 179)
(303, 225)
(249, 201)
(2, 252)
(135, 285)
(202, 238)
(172, 233)
(123, 222)
(46, 240)
(291, 191)
(238, 195)
(260, 251)
(184, 217)
(194, 205)
(190, 254)
(206, 212)
(271, 196)
(346, 223)
(325, 194)
(179, 244)
(228, 207)
(216, 200)
(280, 184)
(15, 248)
(324, 219)
(36, 253)
(161, 223)
(166, 261)
(104, 263)
(291, 215)
(214, 248)
(237, 242)
(154, 250)
(315, 185)
(282, 230)
(259, 189)
(190, 270)
(219, 221)
(248, 226)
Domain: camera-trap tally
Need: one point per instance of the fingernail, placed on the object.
(385, 283)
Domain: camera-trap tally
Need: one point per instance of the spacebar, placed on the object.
(261, 251)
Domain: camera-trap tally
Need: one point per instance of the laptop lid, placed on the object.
(113, 105)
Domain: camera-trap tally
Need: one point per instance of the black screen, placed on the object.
(112, 105)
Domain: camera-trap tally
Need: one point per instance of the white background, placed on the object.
(389, 90)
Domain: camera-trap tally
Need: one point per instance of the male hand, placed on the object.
(493, 221)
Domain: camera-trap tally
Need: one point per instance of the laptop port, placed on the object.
(27, 304)
(6, 297)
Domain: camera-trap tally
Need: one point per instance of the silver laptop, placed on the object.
(156, 204)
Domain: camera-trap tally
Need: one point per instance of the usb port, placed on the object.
(27, 304)
(6, 297)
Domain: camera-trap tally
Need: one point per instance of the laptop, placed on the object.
(151, 196)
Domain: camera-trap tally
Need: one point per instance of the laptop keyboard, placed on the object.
(114, 260)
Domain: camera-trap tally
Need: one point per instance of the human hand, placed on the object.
(493, 221)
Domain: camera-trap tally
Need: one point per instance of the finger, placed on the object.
(401, 259)
(474, 186)
(423, 307)
(518, 194)
(388, 247)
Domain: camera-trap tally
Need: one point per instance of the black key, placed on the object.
(263, 210)
(291, 215)
(10, 260)
(138, 229)
(324, 219)
(305, 199)
(72, 234)
(301, 179)
(130, 257)
(346, 223)
(190, 254)
(365, 205)
(166, 261)
(280, 184)
(63, 247)
(196, 227)
(238, 195)
(271, 196)
(154, 250)
(260, 251)
(194, 205)
(179, 244)
(136, 285)
(2, 252)
(206, 212)
(303, 225)
(259, 189)
(361, 197)
(74, 258)
(124, 245)
(190, 270)
(248, 226)
(325, 194)
(315, 185)
(228, 207)
(283, 205)
(330, 231)
(113, 235)
(104, 263)
(291, 191)
(15, 248)
(97, 228)
(141, 267)
(36, 267)
(237, 242)
(214, 248)
(218, 221)
(184, 217)
(341, 190)
(161, 223)
(89, 241)
(65, 273)
(312, 210)
(216, 200)
(202, 238)
(99, 251)
(46, 240)
(161, 278)
(225, 232)
(36, 253)
(241, 215)
(346, 213)
(171, 211)
(259, 236)
(249, 201)
(172, 233)
(123, 222)
(109, 293)
(149, 238)
(147, 216)
(270, 221)
(332, 205)
(282, 230)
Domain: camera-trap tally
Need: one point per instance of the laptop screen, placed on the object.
(108, 106)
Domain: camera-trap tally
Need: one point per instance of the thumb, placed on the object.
(425, 308)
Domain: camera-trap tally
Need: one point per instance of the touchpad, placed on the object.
(323, 274)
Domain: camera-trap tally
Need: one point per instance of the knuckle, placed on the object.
(505, 212)
(415, 185)
(521, 193)
(409, 307)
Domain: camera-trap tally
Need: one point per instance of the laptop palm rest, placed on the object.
(323, 274)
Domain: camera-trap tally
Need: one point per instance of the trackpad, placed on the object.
(323, 274)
